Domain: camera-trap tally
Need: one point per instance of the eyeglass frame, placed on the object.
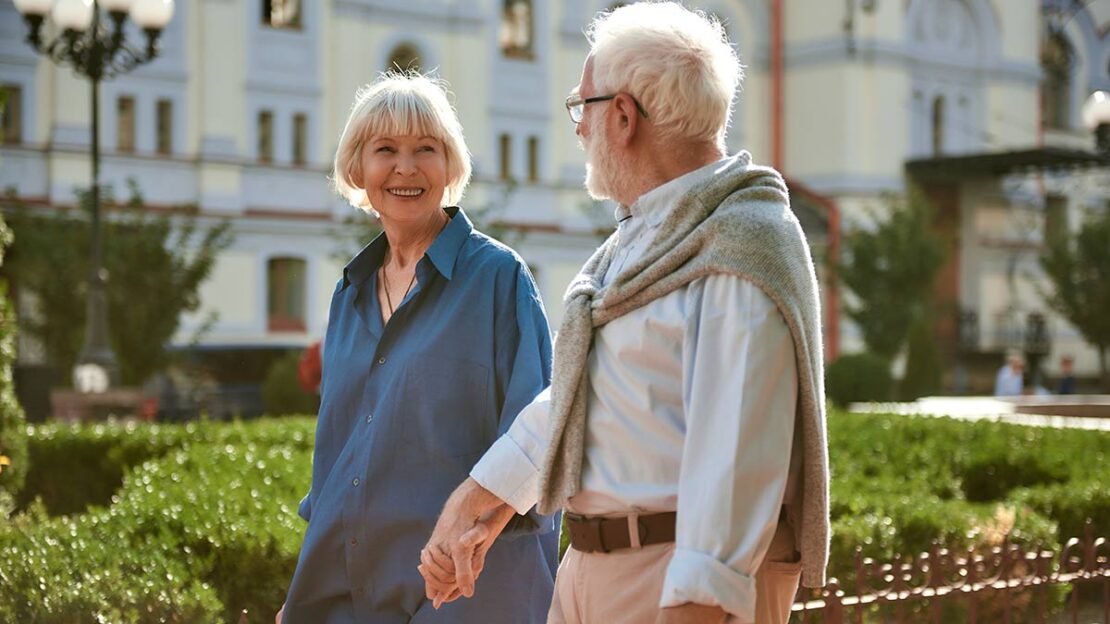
(581, 104)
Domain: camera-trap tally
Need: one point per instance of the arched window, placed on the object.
(285, 289)
(506, 156)
(938, 125)
(281, 13)
(404, 57)
(1056, 61)
(516, 29)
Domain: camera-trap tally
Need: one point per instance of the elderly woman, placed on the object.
(436, 340)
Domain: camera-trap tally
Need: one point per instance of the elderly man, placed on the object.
(683, 432)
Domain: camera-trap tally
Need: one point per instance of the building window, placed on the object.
(265, 136)
(516, 29)
(1055, 218)
(404, 57)
(506, 157)
(1056, 61)
(938, 125)
(164, 115)
(300, 138)
(281, 13)
(12, 113)
(533, 159)
(286, 294)
(125, 124)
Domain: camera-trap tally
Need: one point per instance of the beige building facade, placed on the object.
(242, 113)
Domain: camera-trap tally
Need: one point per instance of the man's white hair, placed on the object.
(401, 104)
(676, 62)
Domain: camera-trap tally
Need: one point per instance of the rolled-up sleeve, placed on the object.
(739, 394)
(511, 467)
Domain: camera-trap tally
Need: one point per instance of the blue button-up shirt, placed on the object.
(406, 409)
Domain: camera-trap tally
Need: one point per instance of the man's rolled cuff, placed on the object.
(696, 577)
(506, 471)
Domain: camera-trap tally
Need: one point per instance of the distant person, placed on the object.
(1010, 378)
(436, 340)
(1067, 375)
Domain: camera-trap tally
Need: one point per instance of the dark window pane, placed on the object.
(285, 294)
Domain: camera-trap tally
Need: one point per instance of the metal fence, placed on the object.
(1003, 584)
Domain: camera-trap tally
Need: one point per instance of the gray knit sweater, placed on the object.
(739, 222)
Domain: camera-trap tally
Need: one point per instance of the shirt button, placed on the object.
(369, 418)
(381, 360)
(354, 541)
(355, 482)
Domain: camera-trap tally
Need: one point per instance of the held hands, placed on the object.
(456, 552)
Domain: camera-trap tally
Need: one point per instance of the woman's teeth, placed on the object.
(406, 192)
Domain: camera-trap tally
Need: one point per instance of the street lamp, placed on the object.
(1096, 118)
(98, 53)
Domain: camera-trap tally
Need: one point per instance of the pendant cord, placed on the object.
(385, 283)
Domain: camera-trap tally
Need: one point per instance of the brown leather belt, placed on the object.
(609, 534)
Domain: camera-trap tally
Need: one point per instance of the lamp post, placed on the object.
(97, 52)
(1096, 118)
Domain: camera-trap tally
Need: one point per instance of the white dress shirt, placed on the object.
(691, 408)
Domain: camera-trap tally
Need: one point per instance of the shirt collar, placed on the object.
(442, 253)
(445, 248)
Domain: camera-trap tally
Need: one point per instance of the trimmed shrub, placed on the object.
(78, 466)
(282, 392)
(195, 535)
(923, 364)
(858, 377)
(997, 466)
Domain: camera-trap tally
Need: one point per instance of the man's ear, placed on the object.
(627, 118)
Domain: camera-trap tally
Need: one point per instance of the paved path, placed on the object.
(990, 408)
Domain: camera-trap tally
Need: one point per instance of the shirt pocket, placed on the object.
(448, 413)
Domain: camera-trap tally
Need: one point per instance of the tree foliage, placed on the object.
(13, 430)
(1078, 268)
(924, 367)
(890, 270)
(156, 262)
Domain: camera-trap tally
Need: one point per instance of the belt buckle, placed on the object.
(591, 526)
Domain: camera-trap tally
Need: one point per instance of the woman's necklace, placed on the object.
(385, 284)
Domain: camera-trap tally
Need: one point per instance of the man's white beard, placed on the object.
(601, 168)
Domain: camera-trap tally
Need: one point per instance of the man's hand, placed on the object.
(277, 618)
(472, 519)
(691, 613)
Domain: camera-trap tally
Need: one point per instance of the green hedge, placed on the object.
(899, 483)
(858, 377)
(196, 535)
(204, 523)
(74, 467)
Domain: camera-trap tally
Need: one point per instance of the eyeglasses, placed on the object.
(576, 106)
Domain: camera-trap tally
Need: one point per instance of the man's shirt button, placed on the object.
(355, 481)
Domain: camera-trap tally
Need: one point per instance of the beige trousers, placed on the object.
(624, 586)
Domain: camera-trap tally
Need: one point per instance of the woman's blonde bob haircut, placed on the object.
(401, 104)
(677, 62)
